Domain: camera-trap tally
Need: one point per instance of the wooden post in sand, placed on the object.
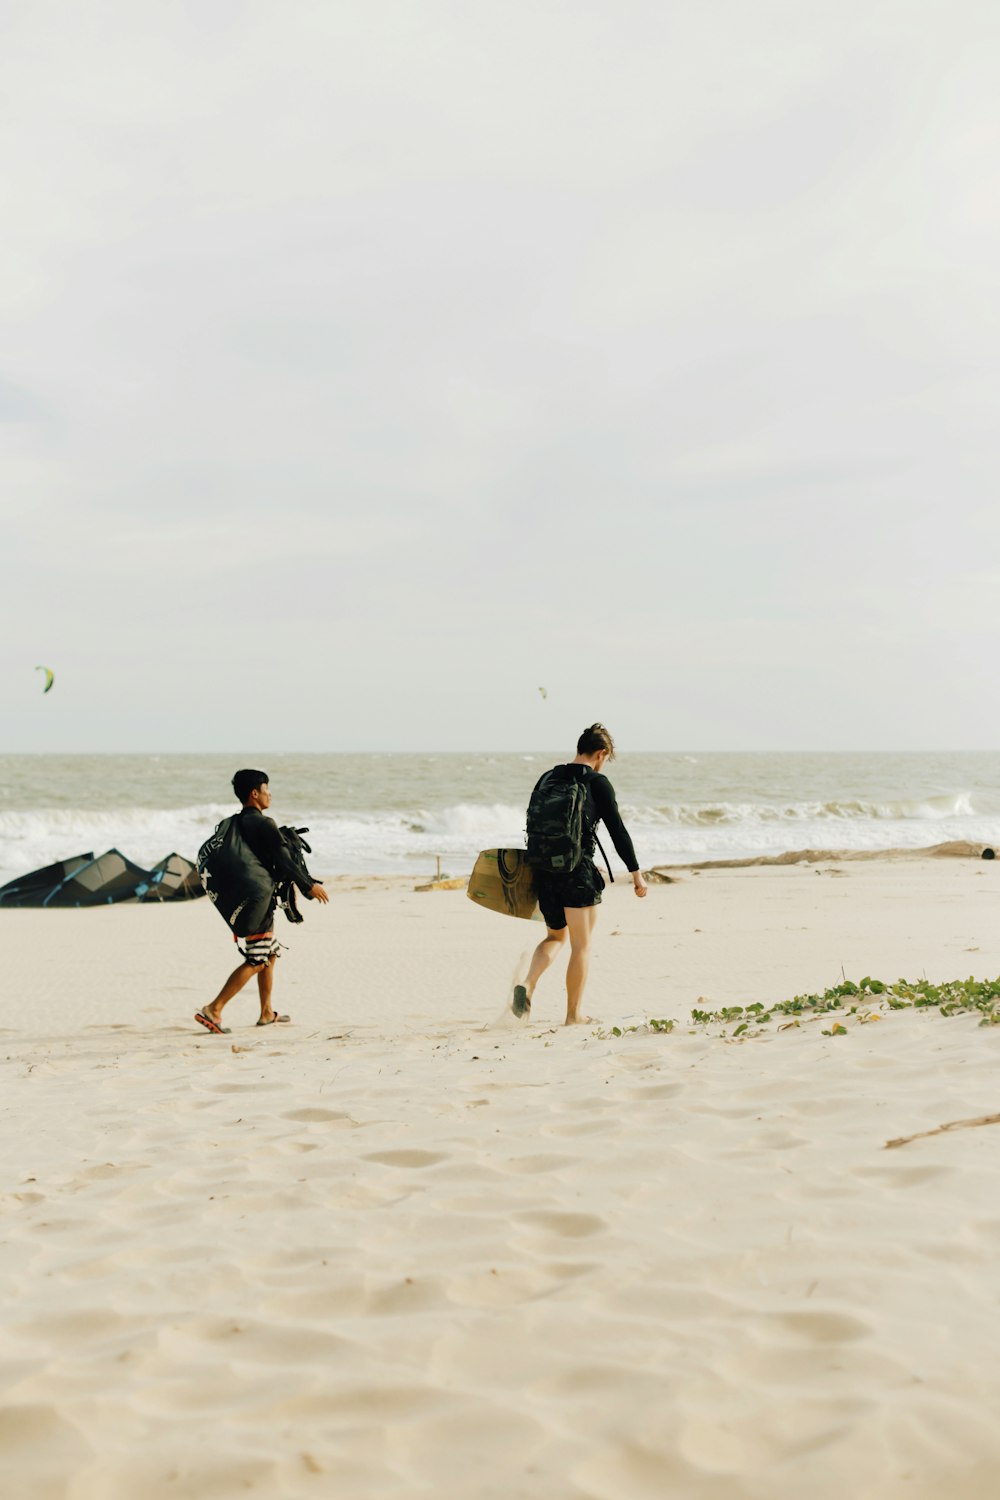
(441, 882)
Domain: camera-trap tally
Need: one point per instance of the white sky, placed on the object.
(366, 364)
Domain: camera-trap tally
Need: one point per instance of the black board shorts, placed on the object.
(582, 887)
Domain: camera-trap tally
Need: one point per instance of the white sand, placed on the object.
(408, 1246)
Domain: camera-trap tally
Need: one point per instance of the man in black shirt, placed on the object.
(569, 902)
(249, 905)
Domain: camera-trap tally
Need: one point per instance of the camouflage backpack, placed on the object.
(555, 823)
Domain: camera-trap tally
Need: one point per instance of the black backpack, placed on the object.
(235, 879)
(241, 888)
(295, 845)
(555, 824)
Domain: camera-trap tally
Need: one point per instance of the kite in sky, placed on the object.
(544, 692)
(50, 677)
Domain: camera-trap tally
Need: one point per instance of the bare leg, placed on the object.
(540, 960)
(232, 986)
(265, 984)
(580, 921)
(543, 956)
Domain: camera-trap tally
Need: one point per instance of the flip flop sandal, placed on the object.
(273, 1019)
(211, 1025)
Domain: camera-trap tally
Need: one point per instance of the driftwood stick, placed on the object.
(902, 1140)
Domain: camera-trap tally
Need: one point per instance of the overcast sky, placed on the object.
(367, 364)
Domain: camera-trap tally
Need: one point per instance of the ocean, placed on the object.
(381, 813)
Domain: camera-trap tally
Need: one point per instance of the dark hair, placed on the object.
(245, 782)
(593, 739)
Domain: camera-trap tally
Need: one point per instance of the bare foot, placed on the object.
(579, 1020)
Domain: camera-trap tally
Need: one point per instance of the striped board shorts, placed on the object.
(259, 949)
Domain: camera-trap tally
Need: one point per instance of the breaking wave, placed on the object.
(408, 840)
(358, 841)
(701, 815)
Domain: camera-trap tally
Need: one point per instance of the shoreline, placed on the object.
(951, 849)
(426, 882)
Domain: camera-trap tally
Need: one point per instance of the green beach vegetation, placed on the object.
(844, 1004)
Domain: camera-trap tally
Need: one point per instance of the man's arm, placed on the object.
(606, 805)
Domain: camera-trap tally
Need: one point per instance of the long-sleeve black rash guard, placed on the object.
(602, 795)
(265, 840)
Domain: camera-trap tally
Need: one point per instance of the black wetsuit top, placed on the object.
(264, 839)
(602, 807)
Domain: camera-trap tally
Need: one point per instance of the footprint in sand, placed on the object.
(541, 1163)
(568, 1226)
(111, 1169)
(656, 1091)
(570, 1270)
(903, 1176)
(315, 1116)
(345, 1297)
(502, 1287)
(822, 1327)
(364, 1406)
(727, 1111)
(61, 1226)
(15, 1201)
(488, 1435)
(252, 1341)
(38, 1444)
(410, 1159)
(411, 1295)
(209, 1476)
(829, 1368)
(92, 1327)
(245, 1088)
(584, 1127)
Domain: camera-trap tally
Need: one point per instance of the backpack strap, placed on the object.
(600, 846)
(604, 857)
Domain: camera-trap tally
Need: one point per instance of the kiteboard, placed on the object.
(502, 881)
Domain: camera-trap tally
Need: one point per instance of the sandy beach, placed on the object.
(408, 1245)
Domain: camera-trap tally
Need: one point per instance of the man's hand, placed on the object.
(638, 884)
(318, 893)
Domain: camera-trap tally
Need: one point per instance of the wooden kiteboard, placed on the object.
(502, 881)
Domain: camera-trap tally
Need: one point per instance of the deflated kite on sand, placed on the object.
(107, 880)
